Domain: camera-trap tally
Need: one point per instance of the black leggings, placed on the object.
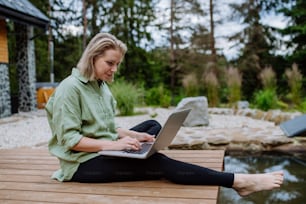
(110, 169)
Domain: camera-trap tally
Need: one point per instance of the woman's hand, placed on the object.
(140, 136)
(127, 143)
(144, 137)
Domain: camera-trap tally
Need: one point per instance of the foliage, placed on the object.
(302, 107)
(191, 85)
(126, 95)
(256, 40)
(184, 44)
(129, 21)
(268, 78)
(295, 30)
(295, 78)
(180, 20)
(64, 61)
(212, 86)
(42, 59)
(265, 99)
(12, 59)
(178, 97)
(234, 80)
(158, 96)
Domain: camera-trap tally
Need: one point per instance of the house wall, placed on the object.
(3, 42)
(26, 68)
(5, 97)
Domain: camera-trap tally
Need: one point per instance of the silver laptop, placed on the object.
(164, 138)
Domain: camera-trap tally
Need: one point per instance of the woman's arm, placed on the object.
(128, 139)
(140, 136)
(87, 144)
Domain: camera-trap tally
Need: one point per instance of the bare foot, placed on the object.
(246, 184)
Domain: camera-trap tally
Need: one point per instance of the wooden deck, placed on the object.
(25, 178)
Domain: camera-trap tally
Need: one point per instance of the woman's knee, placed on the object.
(155, 127)
(155, 123)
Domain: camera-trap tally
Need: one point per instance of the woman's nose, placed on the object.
(114, 68)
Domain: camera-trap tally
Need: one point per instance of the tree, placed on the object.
(256, 40)
(296, 12)
(129, 21)
(212, 33)
(67, 54)
(178, 11)
(61, 13)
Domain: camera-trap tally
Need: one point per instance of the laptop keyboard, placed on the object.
(144, 148)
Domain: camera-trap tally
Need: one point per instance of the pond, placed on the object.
(293, 191)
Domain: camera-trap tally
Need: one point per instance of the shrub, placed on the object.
(302, 107)
(265, 99)
(158, 96)
(126, 95)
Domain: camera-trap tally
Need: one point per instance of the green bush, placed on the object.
(126, 95)
(303, 106)
(158, 96)
(265, 99)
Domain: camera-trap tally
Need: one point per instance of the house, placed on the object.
(25, 17)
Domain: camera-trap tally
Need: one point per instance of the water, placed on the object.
(293, 191)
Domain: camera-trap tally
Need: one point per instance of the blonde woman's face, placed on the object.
(106, 66)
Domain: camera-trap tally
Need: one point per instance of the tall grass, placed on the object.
(158, 96)
(127, 96)
(234, 81)
(212, 86)
(268, 78)
(266, 98)
(295, 78)
(191, 85)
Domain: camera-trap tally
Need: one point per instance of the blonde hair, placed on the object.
(95, 48)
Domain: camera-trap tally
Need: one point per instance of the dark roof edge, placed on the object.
(23, 18)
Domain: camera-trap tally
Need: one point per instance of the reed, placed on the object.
(294, 80)
(234, 81)
(212, 86)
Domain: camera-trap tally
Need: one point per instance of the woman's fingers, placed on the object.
(133, 143)
(145, 137)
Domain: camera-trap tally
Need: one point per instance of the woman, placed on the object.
(81, 115)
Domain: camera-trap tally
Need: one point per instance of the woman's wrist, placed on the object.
(106, 145)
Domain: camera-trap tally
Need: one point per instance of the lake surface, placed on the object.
(293, 191)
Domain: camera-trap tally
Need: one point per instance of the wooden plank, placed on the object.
(25, 178)
(54, 197)
(180, 191)
(153, 184)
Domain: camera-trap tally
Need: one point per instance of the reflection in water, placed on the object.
(293, 190)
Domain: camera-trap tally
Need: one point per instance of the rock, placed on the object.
(199, 113)
(275, 141)
(218, 139)
(228, 130)
(243, 104)
(290, 148)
